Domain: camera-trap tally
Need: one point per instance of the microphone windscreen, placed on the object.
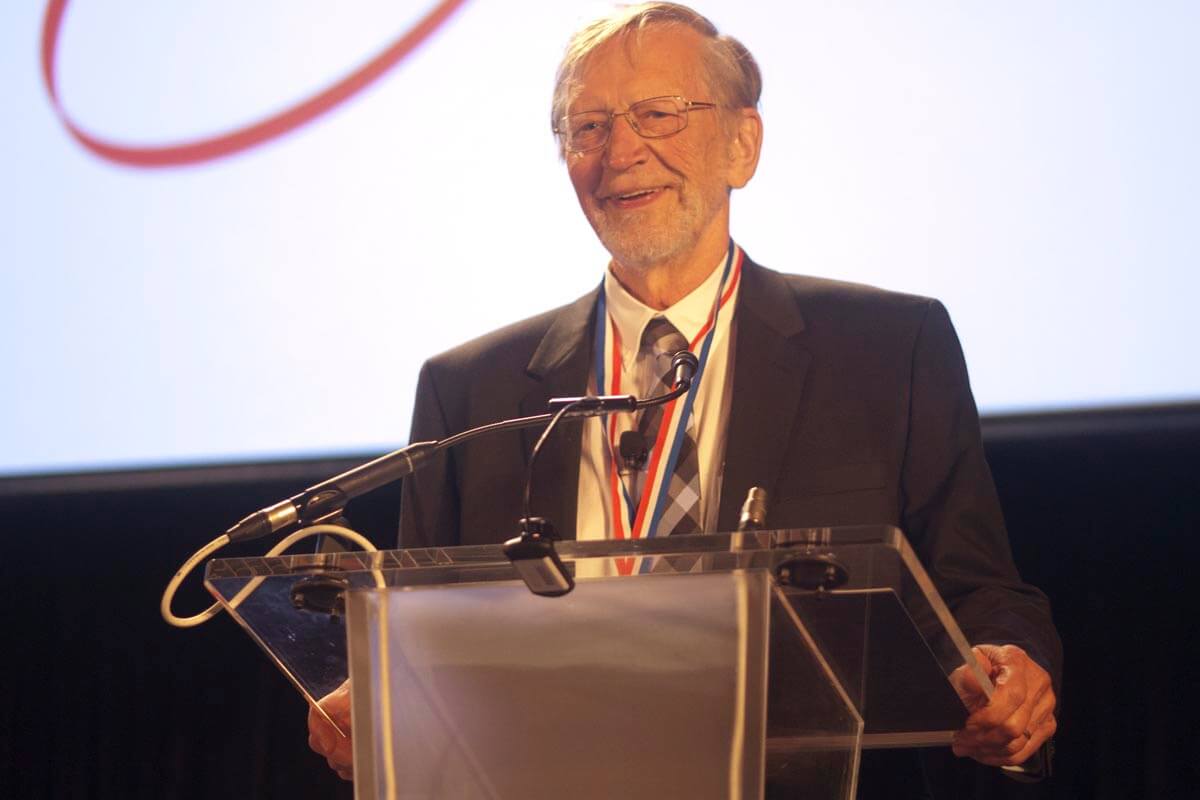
(684, 363)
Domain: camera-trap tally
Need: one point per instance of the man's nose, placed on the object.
(625, 147)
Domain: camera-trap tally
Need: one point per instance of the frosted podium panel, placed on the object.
(646, 688)
(456, 663)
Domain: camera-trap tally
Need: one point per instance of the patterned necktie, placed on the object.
(681, 515)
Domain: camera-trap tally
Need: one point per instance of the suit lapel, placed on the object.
(559, 367)
(769, 368)
(768, 380)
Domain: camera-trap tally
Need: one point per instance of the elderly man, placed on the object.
(849, 404)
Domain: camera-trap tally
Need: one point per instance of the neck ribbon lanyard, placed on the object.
(628, 521)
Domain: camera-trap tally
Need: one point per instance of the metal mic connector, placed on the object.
(273, 518)
(754, 511)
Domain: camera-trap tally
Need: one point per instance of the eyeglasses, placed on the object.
(654, 118)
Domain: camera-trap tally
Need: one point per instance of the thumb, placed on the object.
(985, 664)
(967, 684)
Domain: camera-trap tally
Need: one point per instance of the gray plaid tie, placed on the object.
(660, 342)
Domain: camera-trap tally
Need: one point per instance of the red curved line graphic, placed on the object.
(239, 139)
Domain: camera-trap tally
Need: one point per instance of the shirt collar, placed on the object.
(631, 316)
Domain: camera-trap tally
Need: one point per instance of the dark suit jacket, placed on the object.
(850, 406)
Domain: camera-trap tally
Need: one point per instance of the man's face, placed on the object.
(653, 201)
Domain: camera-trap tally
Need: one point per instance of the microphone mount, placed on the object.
(327, 499)
(683, 366)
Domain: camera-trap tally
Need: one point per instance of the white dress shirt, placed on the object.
(710, 410)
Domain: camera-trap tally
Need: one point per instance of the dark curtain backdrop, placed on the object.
(101, 699)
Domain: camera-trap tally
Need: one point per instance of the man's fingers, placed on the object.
(331, 737)
(1019, 716)
(343, 770)
(1015, 751)
(967, 685)
(319, 738)
(1002, 719)
(1045, 706)
(1023, 721)
(1027, 746)
(985, 662)
(1011, 736)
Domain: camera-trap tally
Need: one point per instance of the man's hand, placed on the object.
(1012, 725)
(326, 739)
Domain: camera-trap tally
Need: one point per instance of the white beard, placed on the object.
(641, 241)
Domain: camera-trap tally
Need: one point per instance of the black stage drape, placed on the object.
(101, 699)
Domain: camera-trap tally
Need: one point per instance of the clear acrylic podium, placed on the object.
(722, 666)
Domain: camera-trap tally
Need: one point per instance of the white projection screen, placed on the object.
(233, 230)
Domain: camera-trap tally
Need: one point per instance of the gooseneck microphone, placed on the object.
(632, 447)
(327, 499)
(683, 367)
(532, 550)
(532, 553)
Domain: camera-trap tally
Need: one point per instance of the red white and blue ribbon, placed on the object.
(641, 521)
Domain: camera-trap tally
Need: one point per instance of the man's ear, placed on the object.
(744, 147)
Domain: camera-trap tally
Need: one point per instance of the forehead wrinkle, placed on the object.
(632, 45)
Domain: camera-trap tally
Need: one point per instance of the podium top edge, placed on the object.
(569, 550)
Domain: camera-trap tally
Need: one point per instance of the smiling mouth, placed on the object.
(634, 198)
